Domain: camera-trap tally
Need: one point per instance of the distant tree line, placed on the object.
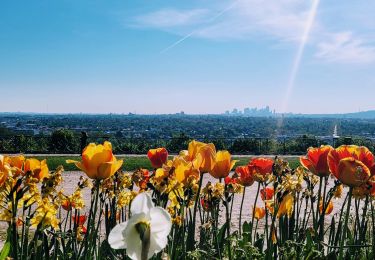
(67, 141)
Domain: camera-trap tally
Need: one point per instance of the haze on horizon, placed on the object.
(200, 57)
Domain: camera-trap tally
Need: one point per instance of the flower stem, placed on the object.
(240, 221)
(191, 233)
(228, 222)
(343, 237)
(252, 218)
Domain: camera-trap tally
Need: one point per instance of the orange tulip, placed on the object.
(266, 193)
(351, 164)
(316, 160)
(67, 204)
(223, 165)
(262, 168)
(98, 161)
(79, 220)
(259, 213)
(371, 185)
(157, 156)
(329, 208)
(38, 169)
(245, 175)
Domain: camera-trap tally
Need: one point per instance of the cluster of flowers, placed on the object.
(140, 209)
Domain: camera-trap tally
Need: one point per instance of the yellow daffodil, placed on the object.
(286, 206)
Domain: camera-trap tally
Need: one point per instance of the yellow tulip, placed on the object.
(286, 206)
(184, 169)
(201, 154)
(4, 170)
(193, 149)
(16, 163)
(98, 161)
(38, 169)
(223, 165)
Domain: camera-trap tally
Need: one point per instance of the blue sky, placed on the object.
(197, 56)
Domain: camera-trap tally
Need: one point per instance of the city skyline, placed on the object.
(200, 57)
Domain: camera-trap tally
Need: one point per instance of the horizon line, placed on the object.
(276, 114)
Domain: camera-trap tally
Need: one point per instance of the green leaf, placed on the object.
(5, 251)
(246, 227)
(221, 235)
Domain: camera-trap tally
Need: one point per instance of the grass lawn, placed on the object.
(132, 162)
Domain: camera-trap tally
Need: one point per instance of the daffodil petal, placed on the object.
(133, 241)
(160, 222)
(142, 203)
(156, 245)
(116, 237)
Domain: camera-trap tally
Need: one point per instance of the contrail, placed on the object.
(299, 54)
(195, 31)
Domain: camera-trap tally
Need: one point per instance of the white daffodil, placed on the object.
(145, 233)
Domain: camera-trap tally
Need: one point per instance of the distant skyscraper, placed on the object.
(335, 135)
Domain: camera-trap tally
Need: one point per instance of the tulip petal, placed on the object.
(106, 170)
(352, 172)
(116, 237)
(193, 148)
(307, 164)
(31, 164)
(142, 203)
(78, 164)
(94, 155)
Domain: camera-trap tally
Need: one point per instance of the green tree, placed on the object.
(63, 141)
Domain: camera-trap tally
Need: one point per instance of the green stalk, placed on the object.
(14, 229)
(191, 229)
(373, 226)
(252, 218)
(362, 226)
(228, 222)
(91, 221)
(343, 237)
(240, 221)
(324, 208)
(317, 204)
